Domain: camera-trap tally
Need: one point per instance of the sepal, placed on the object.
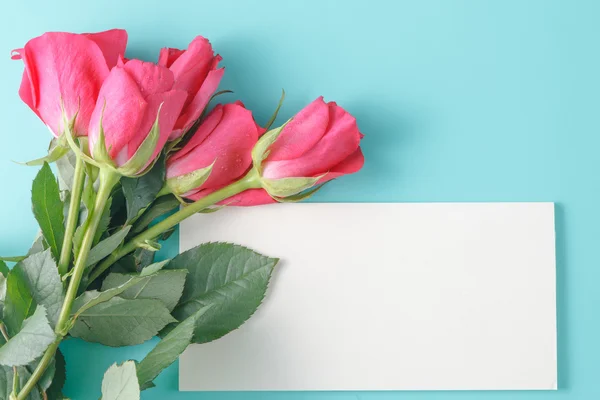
(142, 157)
(286, 187)
(151, 245)
(289, 189)
(68, 134)
(300, 196)
(57, 149)
(100, 152)
(182, 184)
(274, 116)
(261, 149)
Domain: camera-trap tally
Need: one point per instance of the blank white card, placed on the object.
(372, 296)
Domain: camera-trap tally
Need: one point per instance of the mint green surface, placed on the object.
(459, 101)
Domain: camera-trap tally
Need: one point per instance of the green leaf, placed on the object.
(143, 258)
(4, 269)
(167, 234)
(120, 382)
(88, 195)
(41, 275)
(118, 209)
(46, 379)
(230, 278)
(165, 286)
(56, 151)
(107, 246)
(141, 192)
(13, 258)
(135, 262)
(65, 196)
(103, 226)
(6, 382)
(77, 239)
(121, 322)
(48, 208)
(92, 298)
(66, 170)
(53, 382)
(19, 303)
(39, 244)
(32, 340)
(104, 223)
(167, 350)
(53, 379)
(124, 265)
(151, 269)
(161, 206)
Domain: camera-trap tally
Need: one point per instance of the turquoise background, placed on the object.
(458, 100)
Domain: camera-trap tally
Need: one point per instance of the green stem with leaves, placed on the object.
(108, 179)
(15, 390)
(72, 217)
(15, 386)
(250, 181)
(38, 372)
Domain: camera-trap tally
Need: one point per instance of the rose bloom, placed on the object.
(68, 68)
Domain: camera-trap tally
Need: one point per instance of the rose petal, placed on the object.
(350, 165)
(64, 66)
(27, 94)
(15, 54)
(167, 56)
(205, 129)
(194, 109)
(124, 109)
(340, 141)
(229, 146)
(170, 104)
(302, 133)
(248, 198)
(151, 78)
(112, 43)
(191, 68)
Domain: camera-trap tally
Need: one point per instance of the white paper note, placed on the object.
(457, 296)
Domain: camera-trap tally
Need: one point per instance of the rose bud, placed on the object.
(68, 68)
(195, 71)
(136, 110)
(218, 153)
(319, 144)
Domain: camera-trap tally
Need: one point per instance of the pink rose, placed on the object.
(136, 100)
(321, 141)
(67, 67)
(224, 141)
(195, 71)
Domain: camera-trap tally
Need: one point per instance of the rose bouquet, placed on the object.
(136, 152)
